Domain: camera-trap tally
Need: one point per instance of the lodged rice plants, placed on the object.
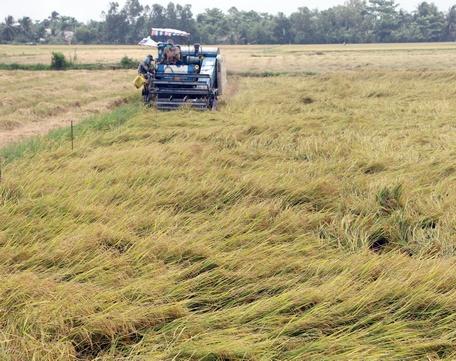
(309, 218)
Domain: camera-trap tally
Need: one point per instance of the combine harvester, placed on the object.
(185, 75)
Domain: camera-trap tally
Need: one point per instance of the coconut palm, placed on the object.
(9, 30)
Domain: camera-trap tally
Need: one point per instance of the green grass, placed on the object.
(309, 218)
(60, 136)
(69, 66)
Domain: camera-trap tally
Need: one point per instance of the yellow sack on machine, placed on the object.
(139, 81)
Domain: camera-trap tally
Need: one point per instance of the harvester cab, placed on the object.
(187, 76)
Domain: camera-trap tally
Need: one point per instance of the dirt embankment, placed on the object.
(33, 103)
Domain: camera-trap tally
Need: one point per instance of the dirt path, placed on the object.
(29, 130)
(79, 113)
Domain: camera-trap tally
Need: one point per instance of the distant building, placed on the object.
(68, 36)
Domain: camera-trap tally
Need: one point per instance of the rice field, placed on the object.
(312, 217)
(272, 58)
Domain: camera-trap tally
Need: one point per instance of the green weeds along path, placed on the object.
(310, 218)
(46, 67)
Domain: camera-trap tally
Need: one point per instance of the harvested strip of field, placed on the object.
(310, 218)
(78, 66)
(33, 103)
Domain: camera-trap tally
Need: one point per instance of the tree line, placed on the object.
(356, 21)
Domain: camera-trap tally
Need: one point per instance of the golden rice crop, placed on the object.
(311, 217)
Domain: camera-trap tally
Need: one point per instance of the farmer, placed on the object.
(147, 70)
(172, 53)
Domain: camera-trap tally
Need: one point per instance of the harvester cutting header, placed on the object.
(181, 75)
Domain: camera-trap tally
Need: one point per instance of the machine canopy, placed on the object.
(168, 32)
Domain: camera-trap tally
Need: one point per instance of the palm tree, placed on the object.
(9, 30)
(451, 23)
(26, 26)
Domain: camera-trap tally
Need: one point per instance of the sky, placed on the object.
(84, 10)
